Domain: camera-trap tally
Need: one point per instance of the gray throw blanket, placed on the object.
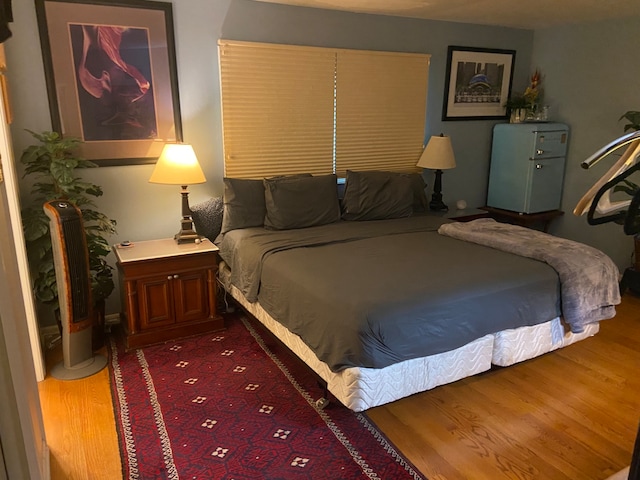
(588, 277)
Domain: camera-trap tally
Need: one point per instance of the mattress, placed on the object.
(361, 388)
(373, 294)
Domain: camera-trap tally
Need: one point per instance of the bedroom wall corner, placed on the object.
(589, 84)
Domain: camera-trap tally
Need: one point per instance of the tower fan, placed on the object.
(71, 261)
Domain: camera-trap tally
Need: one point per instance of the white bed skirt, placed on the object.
(362, 388)
(519, 344)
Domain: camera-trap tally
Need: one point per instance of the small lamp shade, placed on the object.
(177, 165)
(438, 154)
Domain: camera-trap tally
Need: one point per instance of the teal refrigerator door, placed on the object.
(527, 167)
(544, 188)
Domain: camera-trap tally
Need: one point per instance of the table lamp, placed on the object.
(438, 156)
(178, 165)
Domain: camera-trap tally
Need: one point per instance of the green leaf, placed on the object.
(633, 117)
(62, 171)
(35, 224)
(53, 162)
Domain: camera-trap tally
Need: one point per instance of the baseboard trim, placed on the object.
(50, 334)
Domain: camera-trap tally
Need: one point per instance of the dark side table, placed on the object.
(461, 215)
(529, 220)
(630, 280)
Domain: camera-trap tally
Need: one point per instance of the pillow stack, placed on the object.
(280, 203)
(378, 195)
(301, 201)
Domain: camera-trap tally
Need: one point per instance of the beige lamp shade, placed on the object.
(177, 165)
(438, 154)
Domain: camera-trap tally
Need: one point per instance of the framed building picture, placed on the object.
(111, 76)
(478, 83)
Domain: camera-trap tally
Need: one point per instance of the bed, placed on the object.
(382, 300)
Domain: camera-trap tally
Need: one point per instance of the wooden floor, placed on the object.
(569, 414)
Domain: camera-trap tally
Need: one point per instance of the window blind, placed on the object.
(277, 109)
(292, 109)
(381, 102)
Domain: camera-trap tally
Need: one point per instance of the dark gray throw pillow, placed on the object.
(418, 185)
(207, 217)
(243, 204)
(300, 202)
(377, 195)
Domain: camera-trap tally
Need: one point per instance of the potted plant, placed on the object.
(634, 118)
(517, 107)
(53, 163)
(524, 106)
(628, 187)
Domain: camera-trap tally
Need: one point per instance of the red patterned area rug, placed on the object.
(237, 405)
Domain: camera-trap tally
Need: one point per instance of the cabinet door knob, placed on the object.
(168, 277)
(538, 166)
(539, 152)
(175, 276)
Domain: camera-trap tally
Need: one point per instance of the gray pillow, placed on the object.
(418, 185)
(300, 202)
(243, 204)
(377, 195)
(207, 217)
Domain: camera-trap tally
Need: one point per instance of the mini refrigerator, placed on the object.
(527, 166)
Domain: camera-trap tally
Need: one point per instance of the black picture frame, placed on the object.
(112, 82)
(478, 83)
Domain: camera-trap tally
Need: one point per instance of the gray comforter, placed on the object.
(589, 278)
(375, 293)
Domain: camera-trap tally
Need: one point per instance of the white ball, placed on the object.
(461, 204)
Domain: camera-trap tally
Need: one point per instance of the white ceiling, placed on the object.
(509, 13)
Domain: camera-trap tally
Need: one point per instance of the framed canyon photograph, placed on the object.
(111, 76)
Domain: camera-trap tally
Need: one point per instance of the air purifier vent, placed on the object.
(73, 281)
(80, 282)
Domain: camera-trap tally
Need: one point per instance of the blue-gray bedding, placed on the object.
(589, 278)
(375, 293)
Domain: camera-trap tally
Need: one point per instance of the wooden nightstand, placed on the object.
(168, 290)
(529, 220)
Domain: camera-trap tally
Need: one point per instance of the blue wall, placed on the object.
(146, 211)
(592, 78)
(273, 23)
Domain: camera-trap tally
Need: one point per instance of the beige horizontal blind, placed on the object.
(277, 109)
(380, 110)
